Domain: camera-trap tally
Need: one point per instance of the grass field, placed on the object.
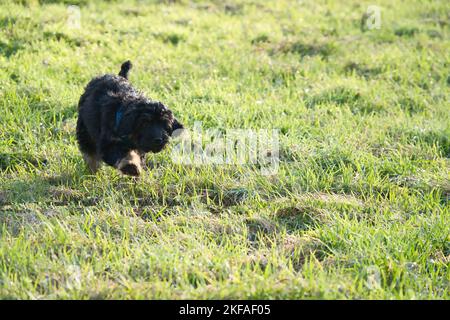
(359, 207)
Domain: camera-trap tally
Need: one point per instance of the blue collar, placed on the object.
(124, 138)
(119, 116)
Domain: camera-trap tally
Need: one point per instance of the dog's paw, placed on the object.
(130, 170)
(130, 165)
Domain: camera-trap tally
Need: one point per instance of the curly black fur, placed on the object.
(115, 119)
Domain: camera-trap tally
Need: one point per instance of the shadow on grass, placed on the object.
(11, 161)
(49, 190)
(9, 49)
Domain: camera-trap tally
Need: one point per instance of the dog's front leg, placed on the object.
(131, 164)
(115, 154)
(127, 161)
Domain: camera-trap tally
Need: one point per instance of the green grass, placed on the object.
(359, 207)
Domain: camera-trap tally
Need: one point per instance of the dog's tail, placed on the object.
(125, 68)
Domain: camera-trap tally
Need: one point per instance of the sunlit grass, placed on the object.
(359, 206)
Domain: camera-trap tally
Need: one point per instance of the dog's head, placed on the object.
(152, 125)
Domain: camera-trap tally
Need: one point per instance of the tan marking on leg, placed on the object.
(131, 164)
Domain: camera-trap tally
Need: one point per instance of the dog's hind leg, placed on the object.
(87, 147)
(92, 162)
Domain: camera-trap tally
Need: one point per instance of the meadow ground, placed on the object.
(358, 208)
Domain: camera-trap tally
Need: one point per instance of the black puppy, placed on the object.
(118, 125)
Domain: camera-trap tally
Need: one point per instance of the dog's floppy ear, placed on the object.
(176, 126)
